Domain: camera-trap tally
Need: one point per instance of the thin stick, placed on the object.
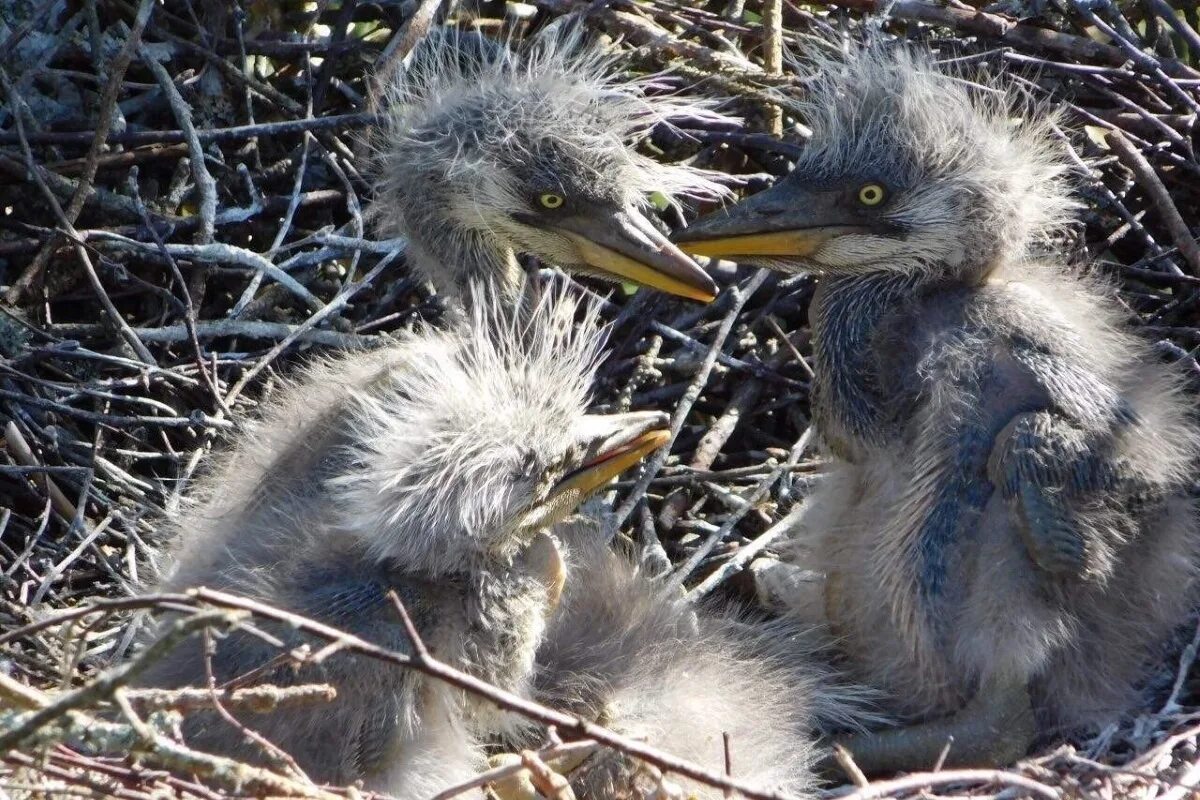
(772, 20)
(656, 462)
(946, 777)
(1148, 179)
(23, 454)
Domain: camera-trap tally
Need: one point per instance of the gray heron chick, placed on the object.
(436, 468)
(490, 153)
(1005, 525)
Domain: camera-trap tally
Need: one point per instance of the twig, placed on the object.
(746, 554)
(684, 406)
(228, 327)
(104, 684)
(947, 777)
(1149, 180)
(215, 252)
(206, 187)
(261, 699)
(328, 310)
(402, 43)
(209, 135)
(571, 750)
(107, 104)
(683, 571)
(110, 309)
(1017, 34)
(772, 20)
(577, 728)
(22, 453)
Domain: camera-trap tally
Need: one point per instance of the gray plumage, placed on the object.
(489, 153)
(1005, 518)
(620, 651)
(434, 467)
(411, 467)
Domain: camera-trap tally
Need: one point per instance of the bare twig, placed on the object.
(1149, 180)
(206, 187)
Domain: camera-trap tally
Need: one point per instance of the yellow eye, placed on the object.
(872, 194)
(551, 200)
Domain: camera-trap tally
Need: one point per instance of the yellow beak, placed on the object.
(542, 556)
(795, 243)
(586, 480)
(615, 446)
(622, 266)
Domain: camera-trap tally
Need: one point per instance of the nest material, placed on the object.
(182, 217)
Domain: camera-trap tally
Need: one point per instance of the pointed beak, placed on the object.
(782, 222)
(798, 243)
(609, 445)
(624, 245)
(613, 444)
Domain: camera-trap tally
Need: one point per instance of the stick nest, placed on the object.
(181, 219)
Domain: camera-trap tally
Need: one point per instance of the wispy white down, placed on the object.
(477, 131)
(975, 164)
(465, 103)
(455, 440)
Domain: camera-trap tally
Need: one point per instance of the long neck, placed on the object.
(848, 405)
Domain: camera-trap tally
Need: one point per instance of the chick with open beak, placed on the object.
(489, 153)
(435, 468)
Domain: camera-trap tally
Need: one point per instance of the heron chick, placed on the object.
(1005, 526)
(489, 153)
(434, 468)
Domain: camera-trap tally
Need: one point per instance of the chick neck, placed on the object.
(454, 259)
(845, 314)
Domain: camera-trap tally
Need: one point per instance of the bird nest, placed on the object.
(182, 221)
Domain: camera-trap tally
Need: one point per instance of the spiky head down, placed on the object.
(920, 169)
(463, 449)
(488, 152)
(971, 171)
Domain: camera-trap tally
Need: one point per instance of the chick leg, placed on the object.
(995, 728)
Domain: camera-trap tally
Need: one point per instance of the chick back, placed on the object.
(621, 652)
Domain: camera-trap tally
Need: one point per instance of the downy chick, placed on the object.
(436, 468)
(624, 651)
(1005, 523)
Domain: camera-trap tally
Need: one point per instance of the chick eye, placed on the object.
(871, 194)
(551, 200)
